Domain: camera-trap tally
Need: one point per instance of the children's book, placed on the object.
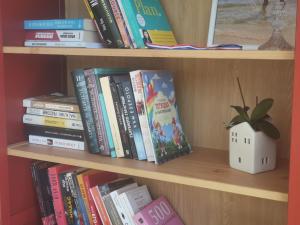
(158, 212)
(168, 138)
(148, 22)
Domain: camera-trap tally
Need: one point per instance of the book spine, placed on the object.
(57, 197)
(99, 14)
(126, 211)
(100, 205)
(134, 121)
(53, 113)
(112, 211)
(84, 193)
(61, 35)
(86, 111)
(120, 119)
(80, 200)
(138, 92)
(28, 103)
(119, 207)
(127, 121)
(67, 198)
(120, 22)
(72, 189)
(52, 122)
(61, 133)
(93, 19)
(97, 112)
(43, 190)
(63, 44)
(56, 142)
(91, 203)
(133, 24)
(112, 116)
(128, 28)
(106, 120)
(57, 24)
(108, 14)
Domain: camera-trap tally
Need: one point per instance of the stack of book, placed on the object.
(71, 195)
(130, 114)
(131, 23)
(61, 33)
(54, 120)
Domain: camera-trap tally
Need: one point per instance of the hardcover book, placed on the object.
(42, 185)
(60, 24)
(148, 22)
(158, 212)
(53, 113)
(168, 138)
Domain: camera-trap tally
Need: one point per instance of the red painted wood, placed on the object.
(294, 180)
(4, 187)
(22, 76)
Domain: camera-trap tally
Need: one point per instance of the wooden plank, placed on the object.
(154, 53)
(205, 168)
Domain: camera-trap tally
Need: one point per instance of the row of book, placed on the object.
(54, 120)
(120, 24)
(70, 195)
(61, 33)
(131, 114)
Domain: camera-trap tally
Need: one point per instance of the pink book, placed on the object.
(158, 212)
(53, 173)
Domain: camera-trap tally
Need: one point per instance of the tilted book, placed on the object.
(158, 212)
(148, 22)
(168, 138)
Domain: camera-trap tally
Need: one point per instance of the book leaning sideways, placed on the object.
(147, 22)
(168, 138)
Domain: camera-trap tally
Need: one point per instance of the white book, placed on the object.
(138, 92)
(53, 113)
(133, 201)
(52, 122)
(112, 118)
(62, 35)
(114, 196)
(63, 44)
(56, 142)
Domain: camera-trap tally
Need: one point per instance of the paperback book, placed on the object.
(168, 138)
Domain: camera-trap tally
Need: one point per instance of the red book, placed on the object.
(53, 173)
(91, 179)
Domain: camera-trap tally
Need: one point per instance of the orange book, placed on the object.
(90, 179)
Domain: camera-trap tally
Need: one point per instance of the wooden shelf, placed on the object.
(205, 168)
(150, 53)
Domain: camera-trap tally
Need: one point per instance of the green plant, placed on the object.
(259, 119)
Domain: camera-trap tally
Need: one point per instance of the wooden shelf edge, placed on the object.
(161, 176)
(154, 53)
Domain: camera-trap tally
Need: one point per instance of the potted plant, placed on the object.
(252, 138)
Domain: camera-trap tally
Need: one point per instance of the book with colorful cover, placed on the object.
(167, 134)
(158, 212)
(148, 22)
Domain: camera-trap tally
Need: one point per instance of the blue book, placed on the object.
(148, 22)
(60, 24)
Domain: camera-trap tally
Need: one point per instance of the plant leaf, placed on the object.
(242, 112)
(261, 109)
(236, 120)
(269, 129)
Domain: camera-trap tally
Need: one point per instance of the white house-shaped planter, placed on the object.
(251, 151)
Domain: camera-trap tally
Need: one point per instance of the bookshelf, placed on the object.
(200, 186)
